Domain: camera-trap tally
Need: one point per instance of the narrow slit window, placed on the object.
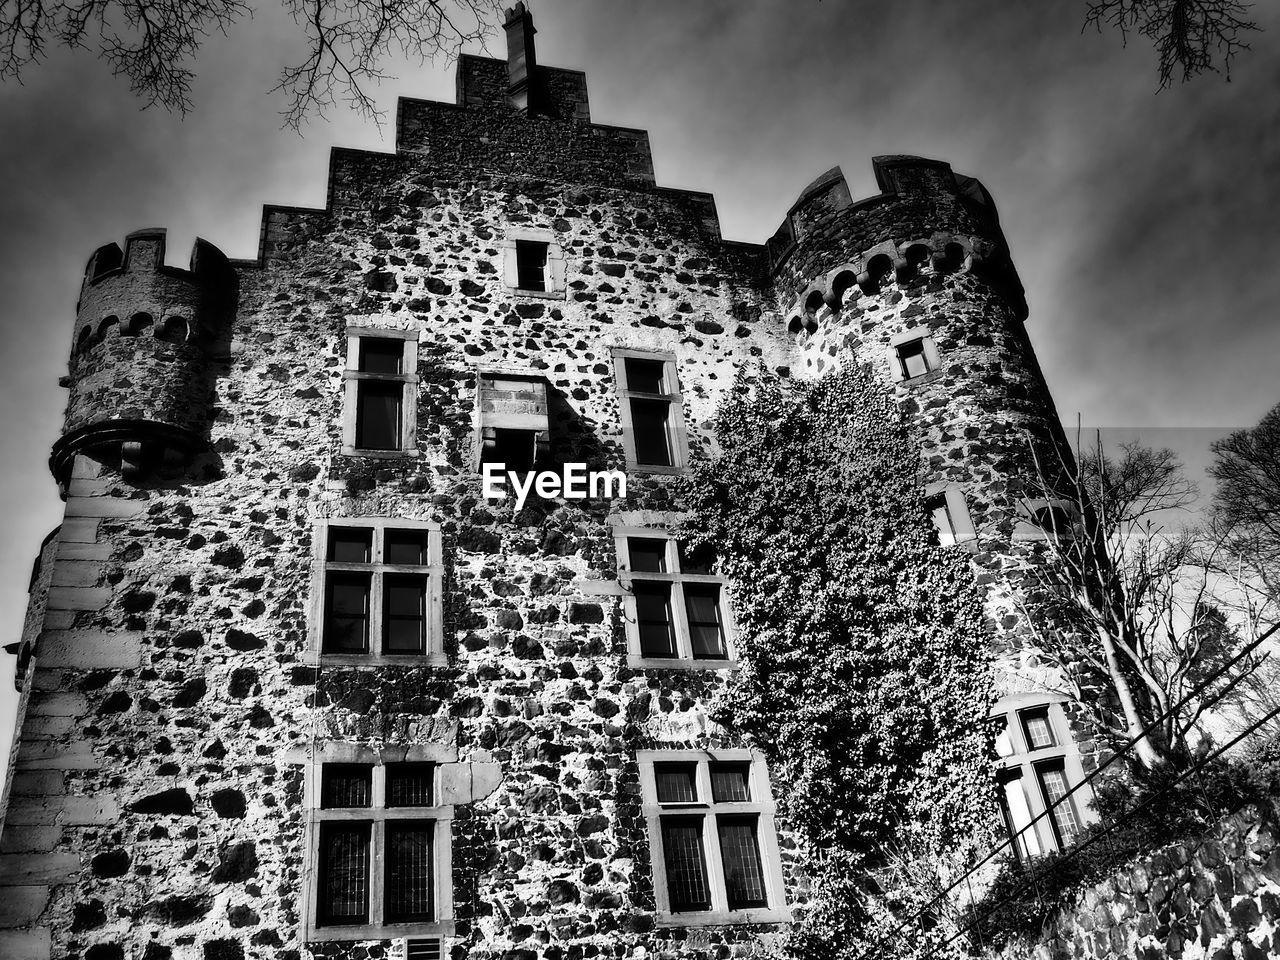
(943, 523)
(676, 782)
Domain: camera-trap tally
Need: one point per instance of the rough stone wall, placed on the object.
(162, 804)
(1215, 897)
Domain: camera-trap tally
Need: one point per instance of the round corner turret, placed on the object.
(139, 383)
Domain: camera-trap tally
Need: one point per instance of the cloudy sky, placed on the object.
(1143, 225)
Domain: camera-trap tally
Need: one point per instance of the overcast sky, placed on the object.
(1143, 225)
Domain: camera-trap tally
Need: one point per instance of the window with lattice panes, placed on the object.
(713, 842)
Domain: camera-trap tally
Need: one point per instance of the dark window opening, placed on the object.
(648, 555)
(675, 782)
(697, 558)
(531, 265)
(380, 355)
(645, 376)
(515, 449)
(686, 862)
(378, 415)
(346, 621)
(740, 854)
(729, 782)
(409, 869)
(706, 631)
(346, 785)
(649, 419)
(409, 784)
(349, 545)
(344, 873)
(1053, 519)
(404, 616)
(653, 618)
(406, 546)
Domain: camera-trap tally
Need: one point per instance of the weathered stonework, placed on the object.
(175, 699)
(1214, 897)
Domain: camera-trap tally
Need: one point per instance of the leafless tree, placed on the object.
(154, 43)
(1191, 37)
(1128, 609)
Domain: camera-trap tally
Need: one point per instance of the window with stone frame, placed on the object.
(1040, 765)
(912, 354)
(533, 263)
(712, 839)
(513, 419)
(380, 389)
(376, 584)
(676, 607)
(379, 842)
(651, 409)
(948, 508)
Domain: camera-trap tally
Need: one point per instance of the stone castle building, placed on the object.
(293, 687)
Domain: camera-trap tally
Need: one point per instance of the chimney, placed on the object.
(521, 61)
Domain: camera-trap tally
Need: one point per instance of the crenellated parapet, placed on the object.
(138, 376)
(831, 248)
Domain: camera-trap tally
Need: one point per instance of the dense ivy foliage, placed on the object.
(863, 652)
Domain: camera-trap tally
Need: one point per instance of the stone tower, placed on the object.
(294, 687)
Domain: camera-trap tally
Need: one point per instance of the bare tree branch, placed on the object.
(1191, 37)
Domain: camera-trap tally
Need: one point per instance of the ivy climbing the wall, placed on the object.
(863, 652)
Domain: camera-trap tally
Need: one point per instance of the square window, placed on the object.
(379, 355)
(531, 265)
(410, 784)
(344, 785)
(729, 782)
(676, 782)
(912, 359)
(716, 860)
(676, 608)
(350, 545)
(514, 449)
(645, 376)
(380, 590)
(407, 547)
(648, 554)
